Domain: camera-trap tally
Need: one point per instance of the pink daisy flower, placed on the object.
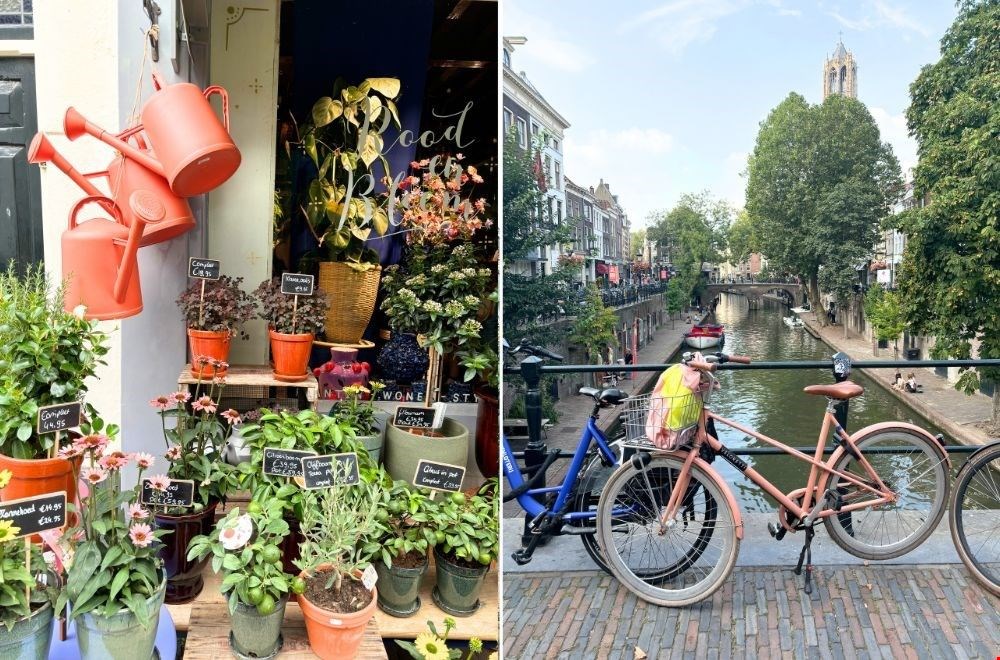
(136, 512)
(141, 535)
(232, 416)
(174, 453)
(182, 396)
(144, 460)
(93, 475)
(161, 402)
(95, 442)
(159, 482)
(69, 451)
(116, 460)
(204, 404)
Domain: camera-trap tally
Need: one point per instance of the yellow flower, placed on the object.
(8, 531)
(493, 656)
(431, 647)
(5, 476)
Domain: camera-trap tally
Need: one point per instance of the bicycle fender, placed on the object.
(719, 481)
(880, 427)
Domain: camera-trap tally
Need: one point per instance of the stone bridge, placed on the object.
(755, 291)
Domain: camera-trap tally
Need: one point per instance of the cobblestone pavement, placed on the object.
(854, 612)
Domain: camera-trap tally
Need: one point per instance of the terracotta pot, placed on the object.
(184, 576)
(333, 635)
(210, 343)
(290, 355)
(488, 433)
(39, 476)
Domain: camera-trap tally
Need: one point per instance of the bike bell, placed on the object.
(841, 366)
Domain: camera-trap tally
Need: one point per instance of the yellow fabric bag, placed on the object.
(674, 405)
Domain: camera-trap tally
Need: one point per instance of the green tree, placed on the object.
(950, 276)
(820, 181)
(884, 310)
(741, 239)
(594, 328)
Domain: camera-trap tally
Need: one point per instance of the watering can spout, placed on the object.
(146, 207)
(41, 150)
(76, 125)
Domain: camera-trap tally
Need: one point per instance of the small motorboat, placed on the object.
(794, 322)
(800, 310)
(706, 335)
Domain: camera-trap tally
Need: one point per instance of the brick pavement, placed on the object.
(875, 611)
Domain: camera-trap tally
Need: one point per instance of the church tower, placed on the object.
(840, 73)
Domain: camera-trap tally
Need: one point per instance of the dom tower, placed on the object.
(840, 73)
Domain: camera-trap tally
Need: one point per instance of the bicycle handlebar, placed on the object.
(702, 366)
(538, 351)
(738, 359)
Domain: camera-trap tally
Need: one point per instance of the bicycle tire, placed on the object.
(661, 587)
(919, 521)
(960, 516)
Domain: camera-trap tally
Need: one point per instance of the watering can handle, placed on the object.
(106, 202)
(216, 89)
(158, 82)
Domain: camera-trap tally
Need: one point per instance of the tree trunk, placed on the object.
(819, 313)
(996, 405)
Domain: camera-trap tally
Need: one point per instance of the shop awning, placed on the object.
(601, 268)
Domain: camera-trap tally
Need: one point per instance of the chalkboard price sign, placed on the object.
(58, 417)
(35, 514)
(331, 470)
(439, 476)
(412, 417)
(204, 269)
(284, 462)
(297, 284)
(179, 493)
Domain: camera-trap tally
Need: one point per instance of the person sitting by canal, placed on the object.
(897, 382)
(911, 384)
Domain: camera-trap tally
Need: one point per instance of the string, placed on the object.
(133, 118)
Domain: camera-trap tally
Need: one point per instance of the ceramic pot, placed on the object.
(30, 638)
(210, 343)
(373, 445)
(184, 576)
(290, 354)
(254, 635)
(399, 588)
(237, 450)
(488, 433)
(402, 359)
(119, 636)
(334, 635)
(457, 589)
(403, 449)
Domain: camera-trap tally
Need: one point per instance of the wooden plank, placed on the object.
(256, 375)
(208, 635)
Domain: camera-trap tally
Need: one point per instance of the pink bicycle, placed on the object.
(670, 528)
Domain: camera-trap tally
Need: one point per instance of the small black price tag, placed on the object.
(439, 476)
(204, 269)
(284, 462)
(58, 417)
(412, 417)
(297, 284)
(331, 470)
(179, 493)
(35, 514)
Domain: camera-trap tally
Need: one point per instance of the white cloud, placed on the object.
(546, 44)
(882, 14)
(679, 23)
(789, 12)
(893, 130)
(733, 184)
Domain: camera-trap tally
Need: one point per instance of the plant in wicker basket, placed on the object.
(214, 311)
(293, 322)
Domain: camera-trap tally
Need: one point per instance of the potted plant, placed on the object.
(47, 356)
(485, 364)
(340, 528)
(405, 538)
(293, 322)
(356, 409)
(26, 613)
(433, 644)
(344, 141)
(470, 525)
(245, 550)
(115, 582)
(214, 311)
(196, 439)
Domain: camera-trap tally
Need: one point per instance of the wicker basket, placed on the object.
(351, 294)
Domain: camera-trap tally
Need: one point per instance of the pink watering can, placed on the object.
(99, 257)
(127, 177)
(189, 146)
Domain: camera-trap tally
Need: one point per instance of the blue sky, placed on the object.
(666, 97)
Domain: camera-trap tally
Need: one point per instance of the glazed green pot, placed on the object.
(119, 636)
(30, 637)
(398, 588)
(457, 589)
(373, 445)
(403, 450)
(255, 635)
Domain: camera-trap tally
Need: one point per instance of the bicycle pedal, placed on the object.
(521, 557)
(777, 533)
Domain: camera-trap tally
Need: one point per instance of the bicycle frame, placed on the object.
(819, 472)
(528, 500)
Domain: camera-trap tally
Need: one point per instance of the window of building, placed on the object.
(506, 58)
(522, 133)
(548, 170)
(508, 119)
(16, 19)
(558, 175)
(555, 144)
(559, 209)
(534, 129)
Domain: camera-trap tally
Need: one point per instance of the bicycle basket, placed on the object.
(669, 415)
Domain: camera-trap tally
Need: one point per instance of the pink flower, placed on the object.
(116, 460)
(93, 442)
(159, 482)
(459, 156)
(70, 451)
(232, 416)
(183, 396)
(161, 402)
(136, 512)
(141, 535)
(144, 460)
(174, 453)
(414, 165)
(93, 475)
(205, 404)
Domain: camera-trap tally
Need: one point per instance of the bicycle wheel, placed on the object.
(918, 476)
(676, 562)
(974, 516)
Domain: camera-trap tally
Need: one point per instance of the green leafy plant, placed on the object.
(280, 309)
(484, 363)
(356, 408)
(470, 524)
(434, 645)
(46, 356)
(884, 311)
(246, 551)
(404, 514)
(594, 328)
(225, 306)
(344, 140)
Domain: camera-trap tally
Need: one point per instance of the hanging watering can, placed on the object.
(124, 178)
(190, 147)
(99, 257)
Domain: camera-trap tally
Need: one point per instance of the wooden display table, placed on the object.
(255, 376)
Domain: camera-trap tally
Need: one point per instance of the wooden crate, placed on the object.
(257, 383)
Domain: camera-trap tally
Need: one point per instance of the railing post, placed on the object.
(534, 451)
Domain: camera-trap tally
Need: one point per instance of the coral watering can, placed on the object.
(124, 177)
(189, 146)
(99, 257)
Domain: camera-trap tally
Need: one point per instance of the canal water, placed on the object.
(773, 403)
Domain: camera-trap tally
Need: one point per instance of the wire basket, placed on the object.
(677, 414)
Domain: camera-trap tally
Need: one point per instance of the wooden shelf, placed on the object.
(257, 376)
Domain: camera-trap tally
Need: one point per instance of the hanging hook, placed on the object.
(153, 12)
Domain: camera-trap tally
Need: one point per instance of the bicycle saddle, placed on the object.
(610, 396)
(842, 390)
